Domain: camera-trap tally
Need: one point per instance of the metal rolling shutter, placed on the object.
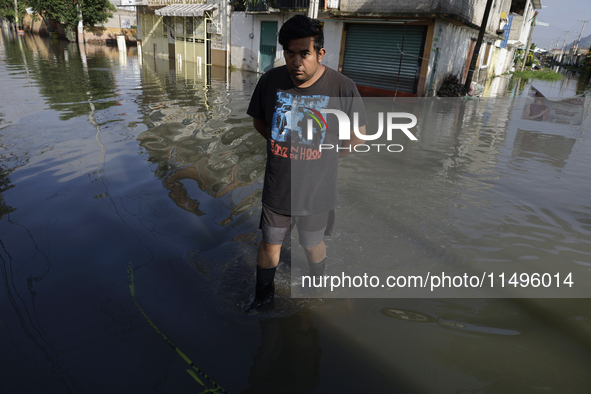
(372, 55)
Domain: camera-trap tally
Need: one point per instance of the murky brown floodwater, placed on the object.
(106, 164)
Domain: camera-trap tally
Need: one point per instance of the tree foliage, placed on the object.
(94, 12)
(7, 10)
(531, 59)
(586, 63)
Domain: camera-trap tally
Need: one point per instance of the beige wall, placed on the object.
(218, 58)
(96, 34)
(38, 26)
(109, 34)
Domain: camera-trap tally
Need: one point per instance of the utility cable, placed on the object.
(194, 370)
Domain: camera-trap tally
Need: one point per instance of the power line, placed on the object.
(563, 45)
(562, 19)
(576, 46)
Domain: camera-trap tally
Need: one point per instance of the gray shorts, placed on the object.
(311, 229)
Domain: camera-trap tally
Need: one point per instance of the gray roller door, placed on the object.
(373, 52)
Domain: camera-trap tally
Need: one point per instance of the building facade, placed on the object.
(187, 30)
(403, 48)
(518, 25)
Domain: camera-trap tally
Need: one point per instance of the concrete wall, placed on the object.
(37, 26)
(501, 61)
(527, 19)
(121, 17)
(221, 16)
(516, 27)
(245, 49)
(220, 43)
(508, 63)
(494, 58)
(333, 33)
(453, 42)
(108, 32)
(481, 72)
(470, 11)
(418, 6)
(104, 35)
(218, 58)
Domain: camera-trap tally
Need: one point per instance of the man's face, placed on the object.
(302, 61)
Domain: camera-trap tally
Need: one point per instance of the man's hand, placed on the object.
(261, 126)
(353, 142)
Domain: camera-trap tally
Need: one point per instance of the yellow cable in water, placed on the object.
(216, 388)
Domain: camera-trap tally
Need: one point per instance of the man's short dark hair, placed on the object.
(301, 26)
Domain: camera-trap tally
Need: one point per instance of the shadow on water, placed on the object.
(108, 163)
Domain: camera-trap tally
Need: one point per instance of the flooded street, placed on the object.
(129, 209)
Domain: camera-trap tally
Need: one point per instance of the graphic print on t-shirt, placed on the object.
(290, 125)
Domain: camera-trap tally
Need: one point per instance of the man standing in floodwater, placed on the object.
(300, 187)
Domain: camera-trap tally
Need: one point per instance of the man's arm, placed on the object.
(353, 142)
(261, 126)
(527, 111)
(546, 113)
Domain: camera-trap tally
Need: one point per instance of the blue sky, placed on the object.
(563, 16)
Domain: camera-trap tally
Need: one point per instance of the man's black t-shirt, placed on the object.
(301, 178)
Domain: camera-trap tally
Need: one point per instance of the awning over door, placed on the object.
(185, 9)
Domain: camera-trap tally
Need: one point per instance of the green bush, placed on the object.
(546, 75)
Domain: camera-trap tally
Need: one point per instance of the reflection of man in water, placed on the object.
(216, 184)
(303, 83)
(537, 111)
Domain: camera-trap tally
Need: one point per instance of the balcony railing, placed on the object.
(294, 4)
(333, 4)
(264, 5)
(258, 6)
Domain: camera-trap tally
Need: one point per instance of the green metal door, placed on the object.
(268, 45)
(384, 56)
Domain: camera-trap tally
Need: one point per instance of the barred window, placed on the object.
(180, 26)
(189, 28)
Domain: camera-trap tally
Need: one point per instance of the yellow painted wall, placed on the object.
(493, 62)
